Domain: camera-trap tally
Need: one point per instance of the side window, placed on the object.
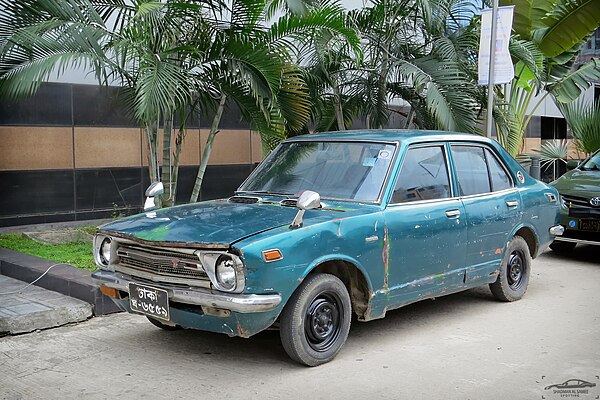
(498, 175)
(423, 176)
(471, 170)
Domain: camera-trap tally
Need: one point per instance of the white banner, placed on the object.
(504, 70)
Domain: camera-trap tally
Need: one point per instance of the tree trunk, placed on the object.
(409, 118)
(168, 198)
(151, 141)
(176, 157)
(337, 106)
(208, 149)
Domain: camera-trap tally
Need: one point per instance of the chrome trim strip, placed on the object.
(242, 303)
(578, 241)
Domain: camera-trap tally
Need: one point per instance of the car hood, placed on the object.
(579, 183)
(217, 223)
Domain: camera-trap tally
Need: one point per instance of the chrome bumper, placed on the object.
(242, 303)
(557, 230)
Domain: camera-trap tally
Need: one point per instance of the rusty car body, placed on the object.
(329, 224)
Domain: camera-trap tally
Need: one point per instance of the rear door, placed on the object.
(492, 207)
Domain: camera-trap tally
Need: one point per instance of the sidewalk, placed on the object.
(36, 308)
(65, 295)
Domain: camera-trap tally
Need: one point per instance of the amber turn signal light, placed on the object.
(272, 255)
(110, 292)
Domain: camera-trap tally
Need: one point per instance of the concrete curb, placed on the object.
(65, 279)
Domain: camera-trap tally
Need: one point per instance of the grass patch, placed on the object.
(78, 254)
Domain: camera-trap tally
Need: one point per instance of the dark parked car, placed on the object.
(330, 224)
(579, 189)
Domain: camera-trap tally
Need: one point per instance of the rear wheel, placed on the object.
(562, 247)
(515, 270)
(315, 322)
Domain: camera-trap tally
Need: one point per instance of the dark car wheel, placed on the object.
(162, 325)
(314, 323)
(515, 269)
(562, 247)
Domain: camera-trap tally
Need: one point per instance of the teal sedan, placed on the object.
(330, 225)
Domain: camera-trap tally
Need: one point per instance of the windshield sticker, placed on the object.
(369, 162)
(384, 154)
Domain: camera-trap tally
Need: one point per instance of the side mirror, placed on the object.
(152, 193)
(572, 164)
(308, 200)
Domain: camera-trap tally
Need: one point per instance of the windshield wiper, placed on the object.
(262, 192)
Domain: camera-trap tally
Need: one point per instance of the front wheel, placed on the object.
(315, 322)
(515, 270)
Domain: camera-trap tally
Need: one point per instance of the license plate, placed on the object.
(151, 301)
(592, 225)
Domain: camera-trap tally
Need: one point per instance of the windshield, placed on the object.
(592, 163)
(336, 170)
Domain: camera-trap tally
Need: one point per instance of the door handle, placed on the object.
(453, 213)
(512, 203)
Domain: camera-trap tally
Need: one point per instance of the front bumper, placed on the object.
(240, 303)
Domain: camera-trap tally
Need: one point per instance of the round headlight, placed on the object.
(225, 271)
(105, 251)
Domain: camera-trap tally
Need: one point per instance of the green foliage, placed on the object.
(550, 35)
(568, 23)
(584, 120)
(78, 254)
(552, 151)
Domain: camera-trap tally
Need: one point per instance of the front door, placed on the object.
(426, 229)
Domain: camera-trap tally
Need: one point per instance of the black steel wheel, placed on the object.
(315, 322)
(562, 247)
(515, 269)
(162, 325)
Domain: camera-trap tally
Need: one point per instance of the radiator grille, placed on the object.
(160, 261)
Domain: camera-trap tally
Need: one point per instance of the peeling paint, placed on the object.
(385, 256)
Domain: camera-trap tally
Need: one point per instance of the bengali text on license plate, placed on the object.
(150, 301)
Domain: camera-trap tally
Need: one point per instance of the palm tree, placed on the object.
(173, 58)
(415, 52)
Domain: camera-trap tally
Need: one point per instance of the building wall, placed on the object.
(71, 153)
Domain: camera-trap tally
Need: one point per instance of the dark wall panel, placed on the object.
(100, 106)
(31, 197)
(108, 188)
(36, 192)
(50, 106)
(231, 118)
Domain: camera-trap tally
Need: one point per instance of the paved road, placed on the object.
(464, 346)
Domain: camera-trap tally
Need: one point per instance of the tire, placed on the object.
(562, 247)
(315, 322)
(162, 325)
(515, 270)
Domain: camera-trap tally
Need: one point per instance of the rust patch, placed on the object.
(385, 256)
(241, 332)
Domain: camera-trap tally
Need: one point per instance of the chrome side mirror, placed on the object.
(152, 193)
(308, 200)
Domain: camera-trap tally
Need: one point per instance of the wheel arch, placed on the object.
(530, 237)
(354, 278)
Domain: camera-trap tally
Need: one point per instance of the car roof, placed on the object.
(390, 135)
